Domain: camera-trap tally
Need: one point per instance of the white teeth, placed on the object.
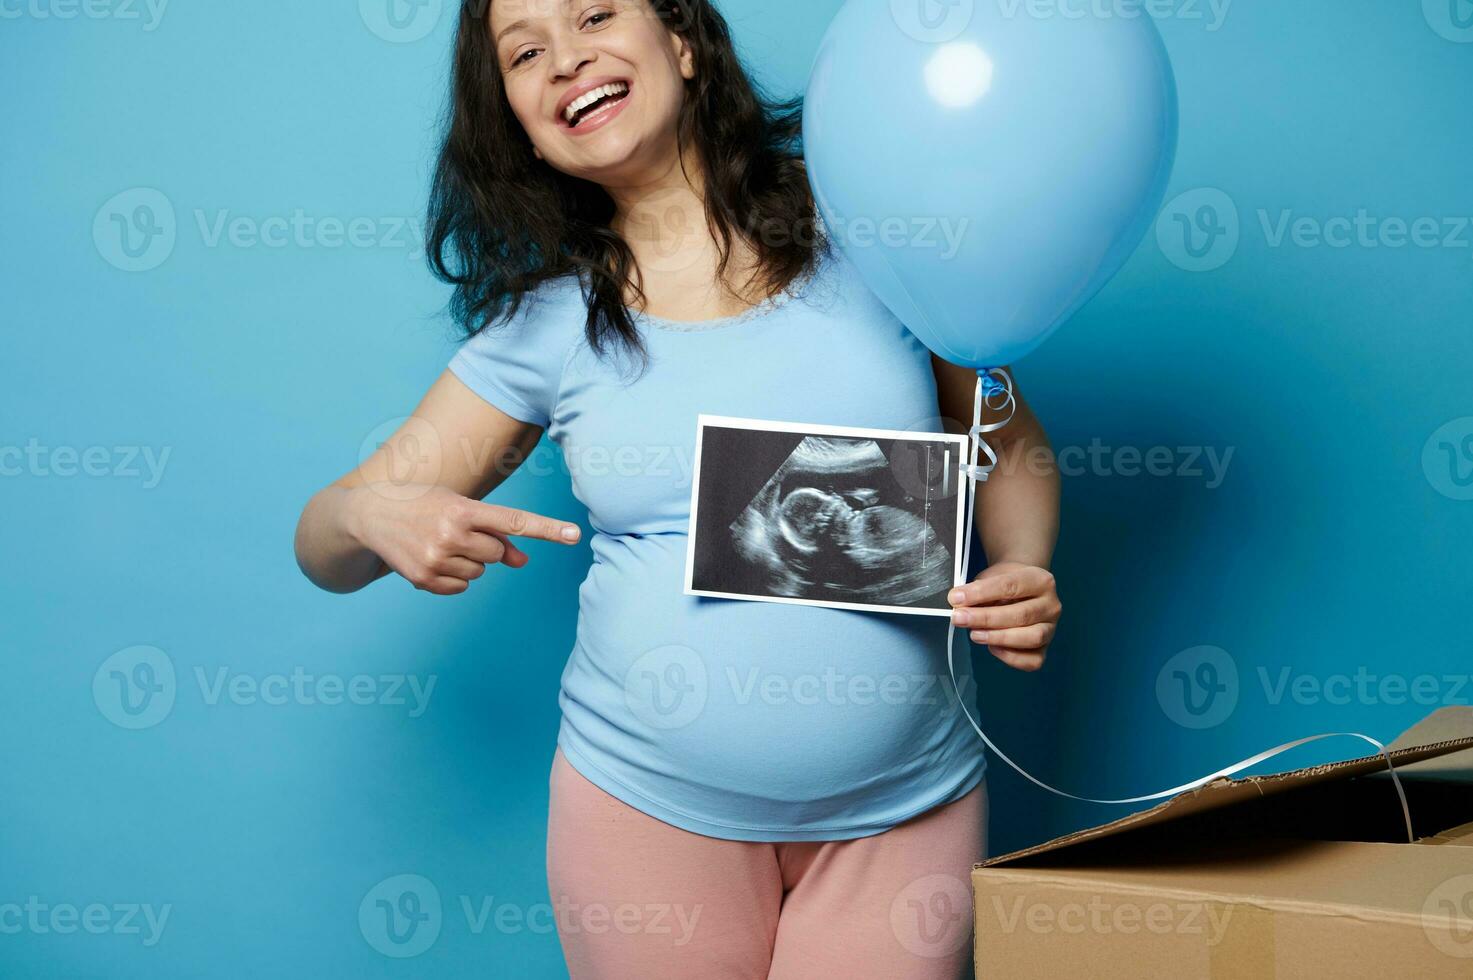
(588, 98)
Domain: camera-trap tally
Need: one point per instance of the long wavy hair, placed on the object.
(500, 221)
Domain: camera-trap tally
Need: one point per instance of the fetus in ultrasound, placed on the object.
(833, 523)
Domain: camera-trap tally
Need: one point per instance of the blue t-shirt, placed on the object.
(736, 719)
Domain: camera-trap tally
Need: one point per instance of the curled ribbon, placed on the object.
(995, 383)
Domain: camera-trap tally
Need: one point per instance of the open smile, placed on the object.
(596, 108)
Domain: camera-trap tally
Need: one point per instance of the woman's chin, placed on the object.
(616, 154)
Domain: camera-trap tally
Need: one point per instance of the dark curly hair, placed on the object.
(500, 221)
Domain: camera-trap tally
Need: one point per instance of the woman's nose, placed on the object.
(570, 57)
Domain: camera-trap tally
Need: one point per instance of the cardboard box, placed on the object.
(1301, 874)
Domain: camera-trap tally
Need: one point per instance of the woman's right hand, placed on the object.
(415, 505)
(441, 541)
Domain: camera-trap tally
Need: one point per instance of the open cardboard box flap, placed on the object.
(1450, 725)
(1302, 873)
(1440, 748)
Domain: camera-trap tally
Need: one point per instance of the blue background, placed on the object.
(1333, 543)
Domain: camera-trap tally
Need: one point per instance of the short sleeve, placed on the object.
(517, 365)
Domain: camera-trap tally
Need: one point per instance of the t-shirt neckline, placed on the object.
(765, 307)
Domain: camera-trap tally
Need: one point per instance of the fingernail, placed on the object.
(957, 595)
(570, 533)
(981, 636)
(959, 617)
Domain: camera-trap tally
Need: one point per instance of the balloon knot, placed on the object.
(990, 385)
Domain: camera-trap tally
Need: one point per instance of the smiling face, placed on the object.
(557, 54)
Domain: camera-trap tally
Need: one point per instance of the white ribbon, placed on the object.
(997, 383)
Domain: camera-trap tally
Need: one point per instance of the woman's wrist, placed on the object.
(1020, 557)
(355, 514)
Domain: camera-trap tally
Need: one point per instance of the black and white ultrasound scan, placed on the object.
(855, 518)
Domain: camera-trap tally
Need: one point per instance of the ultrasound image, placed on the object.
(834, 523)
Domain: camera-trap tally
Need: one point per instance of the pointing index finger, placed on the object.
(510, 520)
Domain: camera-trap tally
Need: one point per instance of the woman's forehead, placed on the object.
(511, 10)
(504, 12)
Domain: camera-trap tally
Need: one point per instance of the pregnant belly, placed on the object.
(775, 704)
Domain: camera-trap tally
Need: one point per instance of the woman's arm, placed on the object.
(1013, 605)
(414, 507)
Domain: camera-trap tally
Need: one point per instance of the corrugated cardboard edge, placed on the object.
(1414, 745)
(1275, 904)
(1448, 723)
(1459, 836)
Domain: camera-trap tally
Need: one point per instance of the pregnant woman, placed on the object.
(745, 789)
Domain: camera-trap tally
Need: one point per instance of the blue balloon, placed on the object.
(988, 166)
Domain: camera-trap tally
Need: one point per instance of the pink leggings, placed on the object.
(638, 898)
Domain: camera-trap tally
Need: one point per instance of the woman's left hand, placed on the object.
(1013, 608)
